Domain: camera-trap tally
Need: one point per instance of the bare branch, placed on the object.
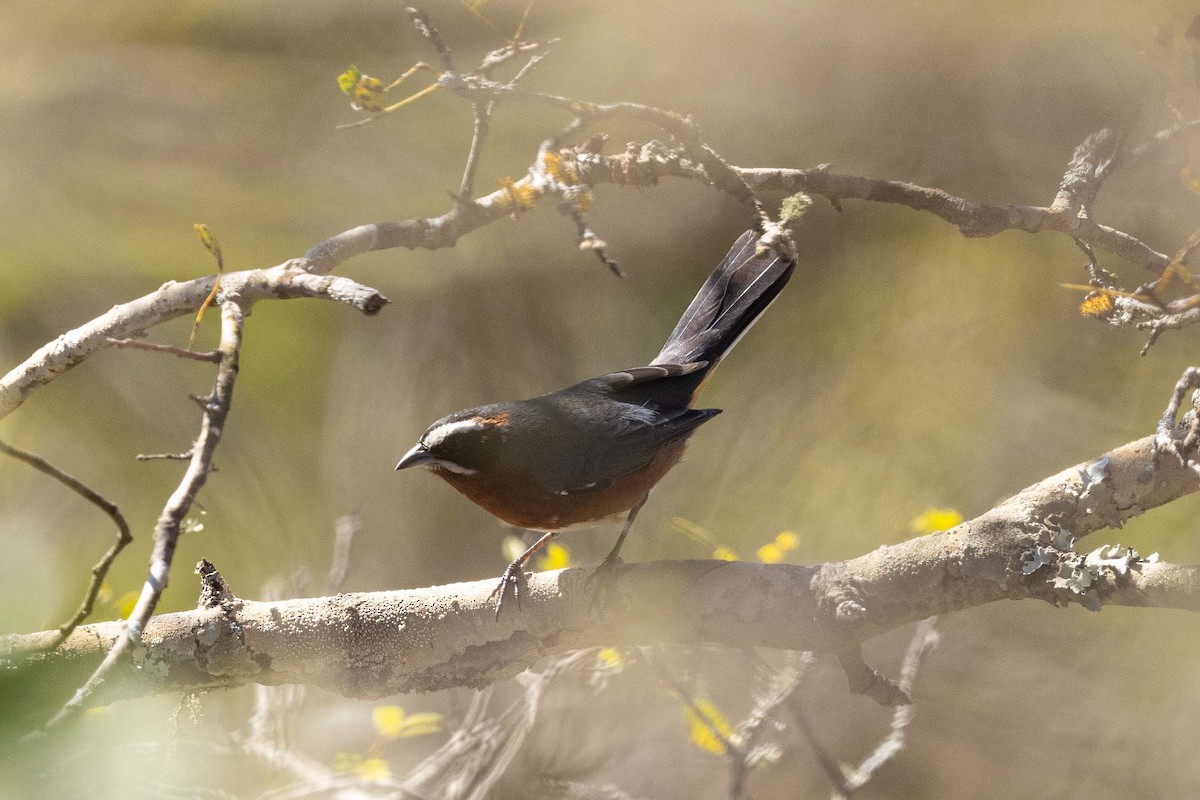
(497, 58)
(174, 300)
(924, 639)
(645, 165)
(166, 533)
(832, 769)
(211, 356)
(639, 166)
(1165, 439)
(101, 567)
(865, 680)
(1084, 175)
(483, 113)
(166, 457)
(424, 27)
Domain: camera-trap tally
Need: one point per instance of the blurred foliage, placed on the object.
(905, 368)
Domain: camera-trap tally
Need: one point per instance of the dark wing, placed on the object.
(608, 427)
(665, 388)
(632, 447)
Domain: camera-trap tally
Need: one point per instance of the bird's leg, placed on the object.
(514, 574)
(602, 576)
(612, 556)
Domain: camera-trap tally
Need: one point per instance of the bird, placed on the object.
(594, 450)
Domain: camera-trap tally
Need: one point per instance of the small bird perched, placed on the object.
(595, 450)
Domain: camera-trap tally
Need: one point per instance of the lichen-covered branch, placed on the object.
(368, 645)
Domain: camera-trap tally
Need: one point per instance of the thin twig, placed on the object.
(924, 639)
(100, 569)
(166, 533)
(784, 683)
(733, 752)
(505, 54)
(212, 356)
(1084, 174)
(483, 109)
(421, 22)
(165, 457)
(833, 770)
(1164, 438)
(483, 113)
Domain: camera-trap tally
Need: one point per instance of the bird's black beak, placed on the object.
(415, 457)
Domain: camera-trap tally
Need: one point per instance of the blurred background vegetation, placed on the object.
(904, 368)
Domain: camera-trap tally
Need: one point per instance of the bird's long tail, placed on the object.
(735, 295)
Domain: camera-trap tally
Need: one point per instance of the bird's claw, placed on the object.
(514, 578)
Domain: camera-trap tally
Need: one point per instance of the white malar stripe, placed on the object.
(438, 435)
(452, 467)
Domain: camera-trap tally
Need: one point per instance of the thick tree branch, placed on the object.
(368, 645)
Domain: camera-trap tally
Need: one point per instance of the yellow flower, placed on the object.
(392, 723)
(702, 718)
(557, 557)
(369, 769)
(125, 604)
(725, 554)
(770, 553)
(375, 770)
(787, 540)
(609, 659)
(932, 520)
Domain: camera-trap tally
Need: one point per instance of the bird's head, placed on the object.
(461, 443)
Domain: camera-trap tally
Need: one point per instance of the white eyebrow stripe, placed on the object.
(438, 435)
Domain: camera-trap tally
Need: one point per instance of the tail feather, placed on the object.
(732, 299)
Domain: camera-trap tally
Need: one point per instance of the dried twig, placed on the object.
(166, 457)
(923, 640)
(1164, 438)
(733, 751)
(483, 109)
(211, 356)
(421, 22)
(166, 533)
(848, 780)
(101, 567)
(483, 112)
